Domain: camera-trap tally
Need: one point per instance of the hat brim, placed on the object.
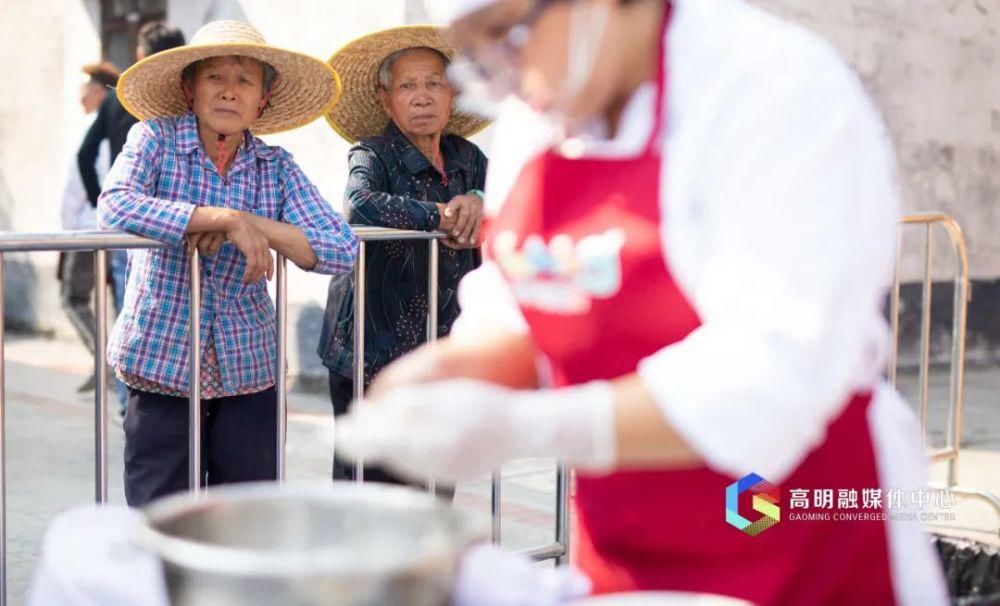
(359, 113)
(306, 89)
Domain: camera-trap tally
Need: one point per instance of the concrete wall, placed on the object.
(43, 44)
(933, 70)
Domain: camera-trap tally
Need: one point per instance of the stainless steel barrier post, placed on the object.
(432, 312)
(925, 331)
(559, 550)
(194, 382)
(956, 391)
(359, 341)
(496, 511)
(894, 314)
(432, 289)
(562, 512)
(101, 375)
(280, 367)
(3, 449)
(952, 450)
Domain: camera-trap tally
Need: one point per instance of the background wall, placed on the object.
(932, 68)
(929, 64)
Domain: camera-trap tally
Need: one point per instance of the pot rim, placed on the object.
(241, 561)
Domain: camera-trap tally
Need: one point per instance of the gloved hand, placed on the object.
(489, 576)
(459, 429)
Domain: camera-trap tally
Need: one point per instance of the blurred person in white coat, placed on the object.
(691, 210)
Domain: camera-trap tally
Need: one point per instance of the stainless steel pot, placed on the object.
(343, 544)
(661, 598)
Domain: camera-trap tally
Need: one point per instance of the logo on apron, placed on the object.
(765, 501)
(562, 276)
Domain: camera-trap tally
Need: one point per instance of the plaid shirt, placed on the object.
(152, 189)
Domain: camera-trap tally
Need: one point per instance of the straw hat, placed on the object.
(359, 114)
(307, 88)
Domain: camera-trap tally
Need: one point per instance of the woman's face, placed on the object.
(228, 93)
(535, 40)
(420, 98)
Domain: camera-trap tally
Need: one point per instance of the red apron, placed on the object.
(583, 252)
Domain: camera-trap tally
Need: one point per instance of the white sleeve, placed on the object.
(73, 198)
(484, 296)
(487, 303)
(795, 200)
(519, 135)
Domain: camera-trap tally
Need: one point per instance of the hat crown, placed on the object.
(308, 87)
(227, 32)
(359, 114)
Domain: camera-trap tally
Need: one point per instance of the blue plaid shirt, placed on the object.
(162, 174)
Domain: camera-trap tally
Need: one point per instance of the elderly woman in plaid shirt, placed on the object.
(192, 172)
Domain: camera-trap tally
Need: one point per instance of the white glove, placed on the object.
(490, 576)
(460, 429)
(89, 559)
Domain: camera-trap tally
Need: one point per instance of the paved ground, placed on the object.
(50, 453)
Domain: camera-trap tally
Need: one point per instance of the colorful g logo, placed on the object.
(765, 501)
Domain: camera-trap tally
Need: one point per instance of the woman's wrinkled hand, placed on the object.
(462, 218)
(255, 248)
(207, 243)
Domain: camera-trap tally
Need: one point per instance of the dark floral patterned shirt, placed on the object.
(392, 184)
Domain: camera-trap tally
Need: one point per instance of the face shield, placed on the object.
(490, 69)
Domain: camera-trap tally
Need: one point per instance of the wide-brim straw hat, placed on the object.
(359, 113)
(307, 87)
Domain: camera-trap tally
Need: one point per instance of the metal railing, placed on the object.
(101, 241)
(953, 442)
(559, 549)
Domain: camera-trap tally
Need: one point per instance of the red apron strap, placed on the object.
(662, 83)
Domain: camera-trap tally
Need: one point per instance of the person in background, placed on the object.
(76, 269)
(111, 126)
(411, 167)
(683, 287)
(193, 172)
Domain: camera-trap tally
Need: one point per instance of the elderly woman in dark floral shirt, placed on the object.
(410, 168)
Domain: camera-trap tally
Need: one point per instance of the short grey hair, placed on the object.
(385, 68)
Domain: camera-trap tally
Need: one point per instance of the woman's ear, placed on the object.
(267, 96)
(383, 99)
(188, 93)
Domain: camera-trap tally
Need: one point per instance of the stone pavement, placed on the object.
(50, 454)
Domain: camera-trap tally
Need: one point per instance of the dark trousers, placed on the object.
(341, 394)
(238, 442)
(77, 282)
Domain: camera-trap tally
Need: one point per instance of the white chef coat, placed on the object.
(779, 207)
